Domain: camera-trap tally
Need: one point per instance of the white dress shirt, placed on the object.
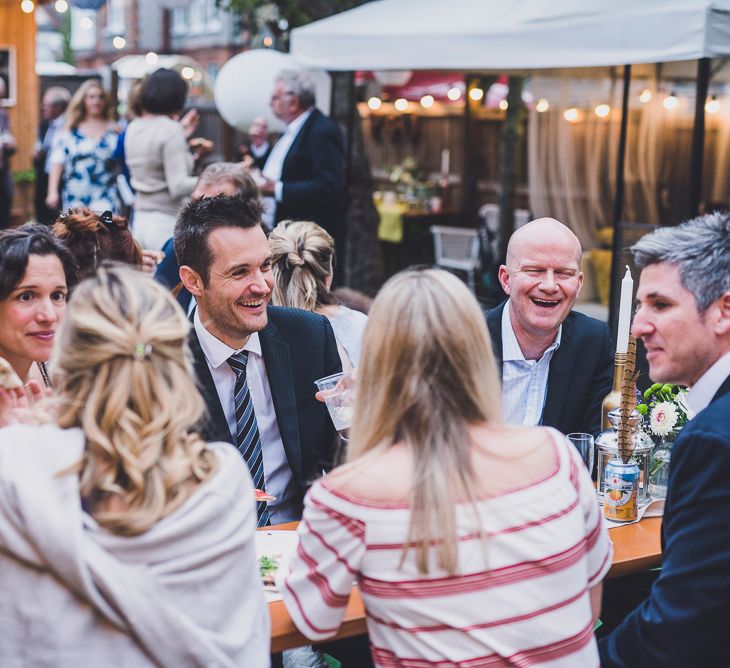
(277, 473)
(701, 393)
(275, 163)
(524, 382)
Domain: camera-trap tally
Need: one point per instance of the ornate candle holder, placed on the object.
(613, 398)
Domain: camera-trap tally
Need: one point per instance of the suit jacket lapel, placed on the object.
(561, 369)
(299, 138)
(215, 424)
(494, 324)
(281, 382)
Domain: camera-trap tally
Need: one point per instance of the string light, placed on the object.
(268, 41)
(119, 42)
(503, 105)
(27, 6)
(374, 103)
(571, 115)
(427, 101)
(670, 101)
(60, 6)
(476, 94)
(150, 57)
(645, 96)
(602, 110)
(86, 23)
(187, 72)
(542, 105)
(712, 106)
(454, 93)
(401, 104)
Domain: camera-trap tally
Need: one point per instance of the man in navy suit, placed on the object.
(305, 171)
(683, 318)
(556, 365)
(225, 262)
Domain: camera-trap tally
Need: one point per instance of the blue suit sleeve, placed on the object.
(683, 622)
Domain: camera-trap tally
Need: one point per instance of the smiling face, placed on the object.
(542, 278)
(31, 313)
(681, 343)
(233, 303)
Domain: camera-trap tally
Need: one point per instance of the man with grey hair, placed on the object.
(683, 318)
(53, 113)
(304, 174)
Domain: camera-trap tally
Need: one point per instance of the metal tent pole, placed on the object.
(618, 204)
(698, 138)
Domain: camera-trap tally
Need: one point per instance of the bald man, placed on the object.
(557, 365)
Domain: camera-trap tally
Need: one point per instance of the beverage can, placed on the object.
(620, 502)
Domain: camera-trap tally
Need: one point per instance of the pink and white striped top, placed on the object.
(521, 595)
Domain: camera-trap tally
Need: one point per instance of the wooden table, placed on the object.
(636, 548)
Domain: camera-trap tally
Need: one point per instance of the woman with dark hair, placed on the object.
(84, 153)
(158, 158)
(36, 273)
(94, 237)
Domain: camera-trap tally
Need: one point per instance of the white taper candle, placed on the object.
(624, 312)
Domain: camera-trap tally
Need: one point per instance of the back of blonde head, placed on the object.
(301, 257)
(123, 376)
(426, 374)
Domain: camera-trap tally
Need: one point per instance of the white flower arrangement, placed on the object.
(663, 418)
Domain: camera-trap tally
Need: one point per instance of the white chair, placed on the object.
(457, 248)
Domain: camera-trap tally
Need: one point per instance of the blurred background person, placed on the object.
(160, 163)
(468, 521)
(255, 152)
(36, 273)
(220, 178)
(7, 148)
(133, 537)
(304, 176)
(84, 153)
(53, 109)
(94, 237)
(302, 257)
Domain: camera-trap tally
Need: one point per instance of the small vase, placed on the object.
(659, 467)
(607, 449)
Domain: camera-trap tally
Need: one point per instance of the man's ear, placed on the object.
(191, 280)
(503, 276)
(722, 326)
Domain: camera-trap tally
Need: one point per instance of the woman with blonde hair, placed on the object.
(132, 538)
(473, 542)
(83, 154)
(302, 257)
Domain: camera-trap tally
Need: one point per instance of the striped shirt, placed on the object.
(521, 595)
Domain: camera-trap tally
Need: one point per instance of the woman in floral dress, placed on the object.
(83, 154)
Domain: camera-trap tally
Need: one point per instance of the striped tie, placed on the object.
(247, 431)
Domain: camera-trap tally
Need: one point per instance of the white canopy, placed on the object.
(514, 34)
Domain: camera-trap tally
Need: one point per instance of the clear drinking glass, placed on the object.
(584, 444)
(338, 392)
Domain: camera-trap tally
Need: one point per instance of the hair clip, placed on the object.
(107, 218)
(142, 351)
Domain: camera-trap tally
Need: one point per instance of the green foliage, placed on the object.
(24, 176)
(295, 12)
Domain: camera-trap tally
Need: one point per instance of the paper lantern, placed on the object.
(244, 85)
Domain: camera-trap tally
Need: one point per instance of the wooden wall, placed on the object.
(18, 30)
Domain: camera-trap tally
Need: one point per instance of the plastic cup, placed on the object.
(338, 391)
